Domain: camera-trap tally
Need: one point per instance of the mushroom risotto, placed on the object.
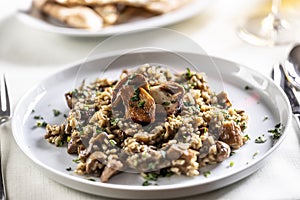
(150, 120)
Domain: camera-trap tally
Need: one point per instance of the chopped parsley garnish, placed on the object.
(166, 103)
(68, 139)
(114, 121)
(141, 104)
(41, 124)
(38, 117)
(277, 131)
(231, 164)
(151, 176)
(187, 104)
(136, 95)
(261, 139)
(193, 85)
(243, 126)
(255, 154)
(188, 73)
(99, 130)
(247, 137)
(206, 174)
(56, 112)
(232, 153)
(265, 117)
(146, 183)
(76, 160)
(65, 116)
(91, 179)
(112, 142)
(69, 169)
(32, 111)
(60, 143)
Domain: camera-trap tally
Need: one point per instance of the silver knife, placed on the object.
(280, 78)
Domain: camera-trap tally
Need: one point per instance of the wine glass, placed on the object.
(270, 30)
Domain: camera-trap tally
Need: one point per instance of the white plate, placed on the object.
(265, 98)
(38, 21)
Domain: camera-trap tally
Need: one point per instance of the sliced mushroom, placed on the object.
(95, 162)
(139, 105)
(69, 100)
(75, 145)
(169, 95)
(113, 166)
(176, 150)
(223, 151)
(231, 134)
(136, 80)
(223, 100)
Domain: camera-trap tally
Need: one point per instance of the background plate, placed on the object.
(264, 98)
(38, 21)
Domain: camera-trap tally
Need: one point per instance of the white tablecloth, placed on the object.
(28, 55)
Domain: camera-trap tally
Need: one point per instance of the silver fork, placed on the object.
(5, 115)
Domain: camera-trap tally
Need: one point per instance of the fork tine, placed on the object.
(6, 97)
(4, 111)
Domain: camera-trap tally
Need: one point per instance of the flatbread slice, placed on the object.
(77, 16)
(157, 6)
(109, 13)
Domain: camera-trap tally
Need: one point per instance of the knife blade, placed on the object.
(280, 78)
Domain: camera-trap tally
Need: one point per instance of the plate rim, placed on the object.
(253, 164)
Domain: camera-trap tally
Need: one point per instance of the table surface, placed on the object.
(27, 56)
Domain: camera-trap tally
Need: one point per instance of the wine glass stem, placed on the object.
(275, 8)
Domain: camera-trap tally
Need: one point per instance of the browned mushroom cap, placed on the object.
(136, 80)
(139, 105)
(231, 134)
(169, 95)
(113, 166)
(223, 151)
